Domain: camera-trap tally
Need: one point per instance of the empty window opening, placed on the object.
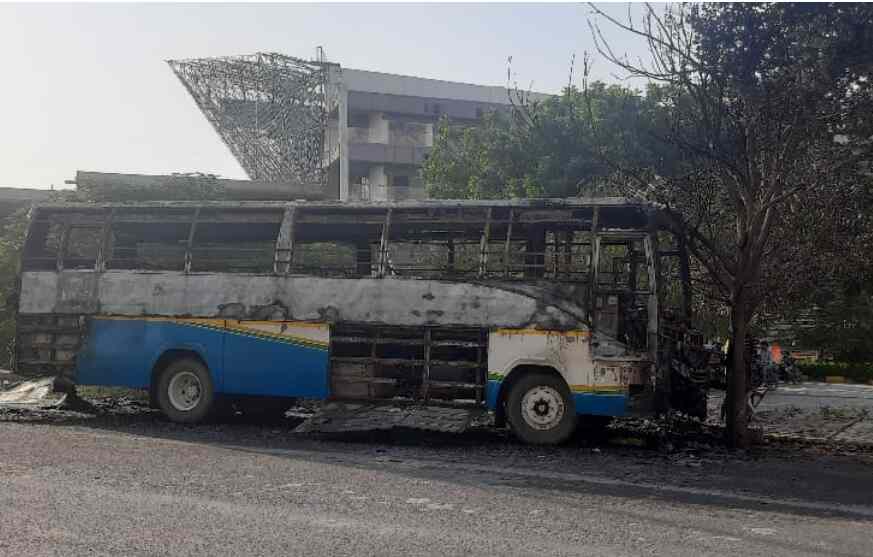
(82, 246)
(43, 246)
(337, 245)
(234, 247)
(69, 240)
(427, 245)
(149, 240)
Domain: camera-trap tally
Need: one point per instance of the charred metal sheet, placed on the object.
(31, 394)
(628, 206)
(48, 345)
(76, 292)
(109, 185)
(9, 379)
(336, 417)
(405, 302)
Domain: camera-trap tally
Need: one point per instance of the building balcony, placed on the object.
(408, 134)
(359, 135)
(382, 153)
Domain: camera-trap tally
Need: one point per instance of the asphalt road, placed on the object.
(136, 485)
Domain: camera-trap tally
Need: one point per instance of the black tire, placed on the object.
(202, 405)
(552, 387)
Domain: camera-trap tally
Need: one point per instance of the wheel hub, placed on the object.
(185, 391)
(542, 407)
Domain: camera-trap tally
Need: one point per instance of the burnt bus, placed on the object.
(548, 312)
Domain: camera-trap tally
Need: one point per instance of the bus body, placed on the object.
(541, 310)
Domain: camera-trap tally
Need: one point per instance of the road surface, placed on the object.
(136, 485)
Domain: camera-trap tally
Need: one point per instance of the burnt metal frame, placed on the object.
(294, 215)
(105, 216)
(377, 336)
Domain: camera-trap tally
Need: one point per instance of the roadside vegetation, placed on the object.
(854, 372)
(12, 229)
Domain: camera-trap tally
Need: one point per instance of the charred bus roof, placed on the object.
(613, 212)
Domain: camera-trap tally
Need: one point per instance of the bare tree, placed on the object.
(770, 106)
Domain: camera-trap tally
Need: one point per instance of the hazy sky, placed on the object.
(86, 86)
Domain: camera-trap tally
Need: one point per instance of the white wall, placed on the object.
(379, 129)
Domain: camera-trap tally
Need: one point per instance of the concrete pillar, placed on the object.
(331, 142)
(378, 181)
(379, 130)
(416, 187)
(343, 129)
(428, 135)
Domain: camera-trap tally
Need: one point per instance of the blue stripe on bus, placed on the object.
(492, 390)
(601, 404)
(257, 365)
(123, 352)
(598, 404)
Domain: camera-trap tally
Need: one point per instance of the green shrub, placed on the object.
(12, 229)
(860, 372)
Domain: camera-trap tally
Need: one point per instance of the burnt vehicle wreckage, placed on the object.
(446, 303)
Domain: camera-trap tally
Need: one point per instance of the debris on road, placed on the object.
(8, 379)
(822, 424)
(685, 440)
(859, 431)
(36, 393)
(335, 417)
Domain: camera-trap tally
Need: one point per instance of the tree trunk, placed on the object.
(736, 415)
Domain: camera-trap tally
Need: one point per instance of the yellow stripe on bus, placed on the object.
(241, 327)
(296, 324)
(253, 331)
(598, 388)
(531, 331)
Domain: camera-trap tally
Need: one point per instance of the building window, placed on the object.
(401, 181)
(359, 120)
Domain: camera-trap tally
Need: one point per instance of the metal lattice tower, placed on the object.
(270, 110)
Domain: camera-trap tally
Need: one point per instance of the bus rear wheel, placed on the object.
(540, 409)
(185, 393)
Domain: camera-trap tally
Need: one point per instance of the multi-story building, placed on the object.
(385, 128)
(363, 134)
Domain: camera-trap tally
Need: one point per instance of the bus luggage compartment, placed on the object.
(373, 362)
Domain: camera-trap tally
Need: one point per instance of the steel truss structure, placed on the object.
(270, 110)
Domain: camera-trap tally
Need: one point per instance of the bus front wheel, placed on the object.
(185, 393)
(540, 409)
